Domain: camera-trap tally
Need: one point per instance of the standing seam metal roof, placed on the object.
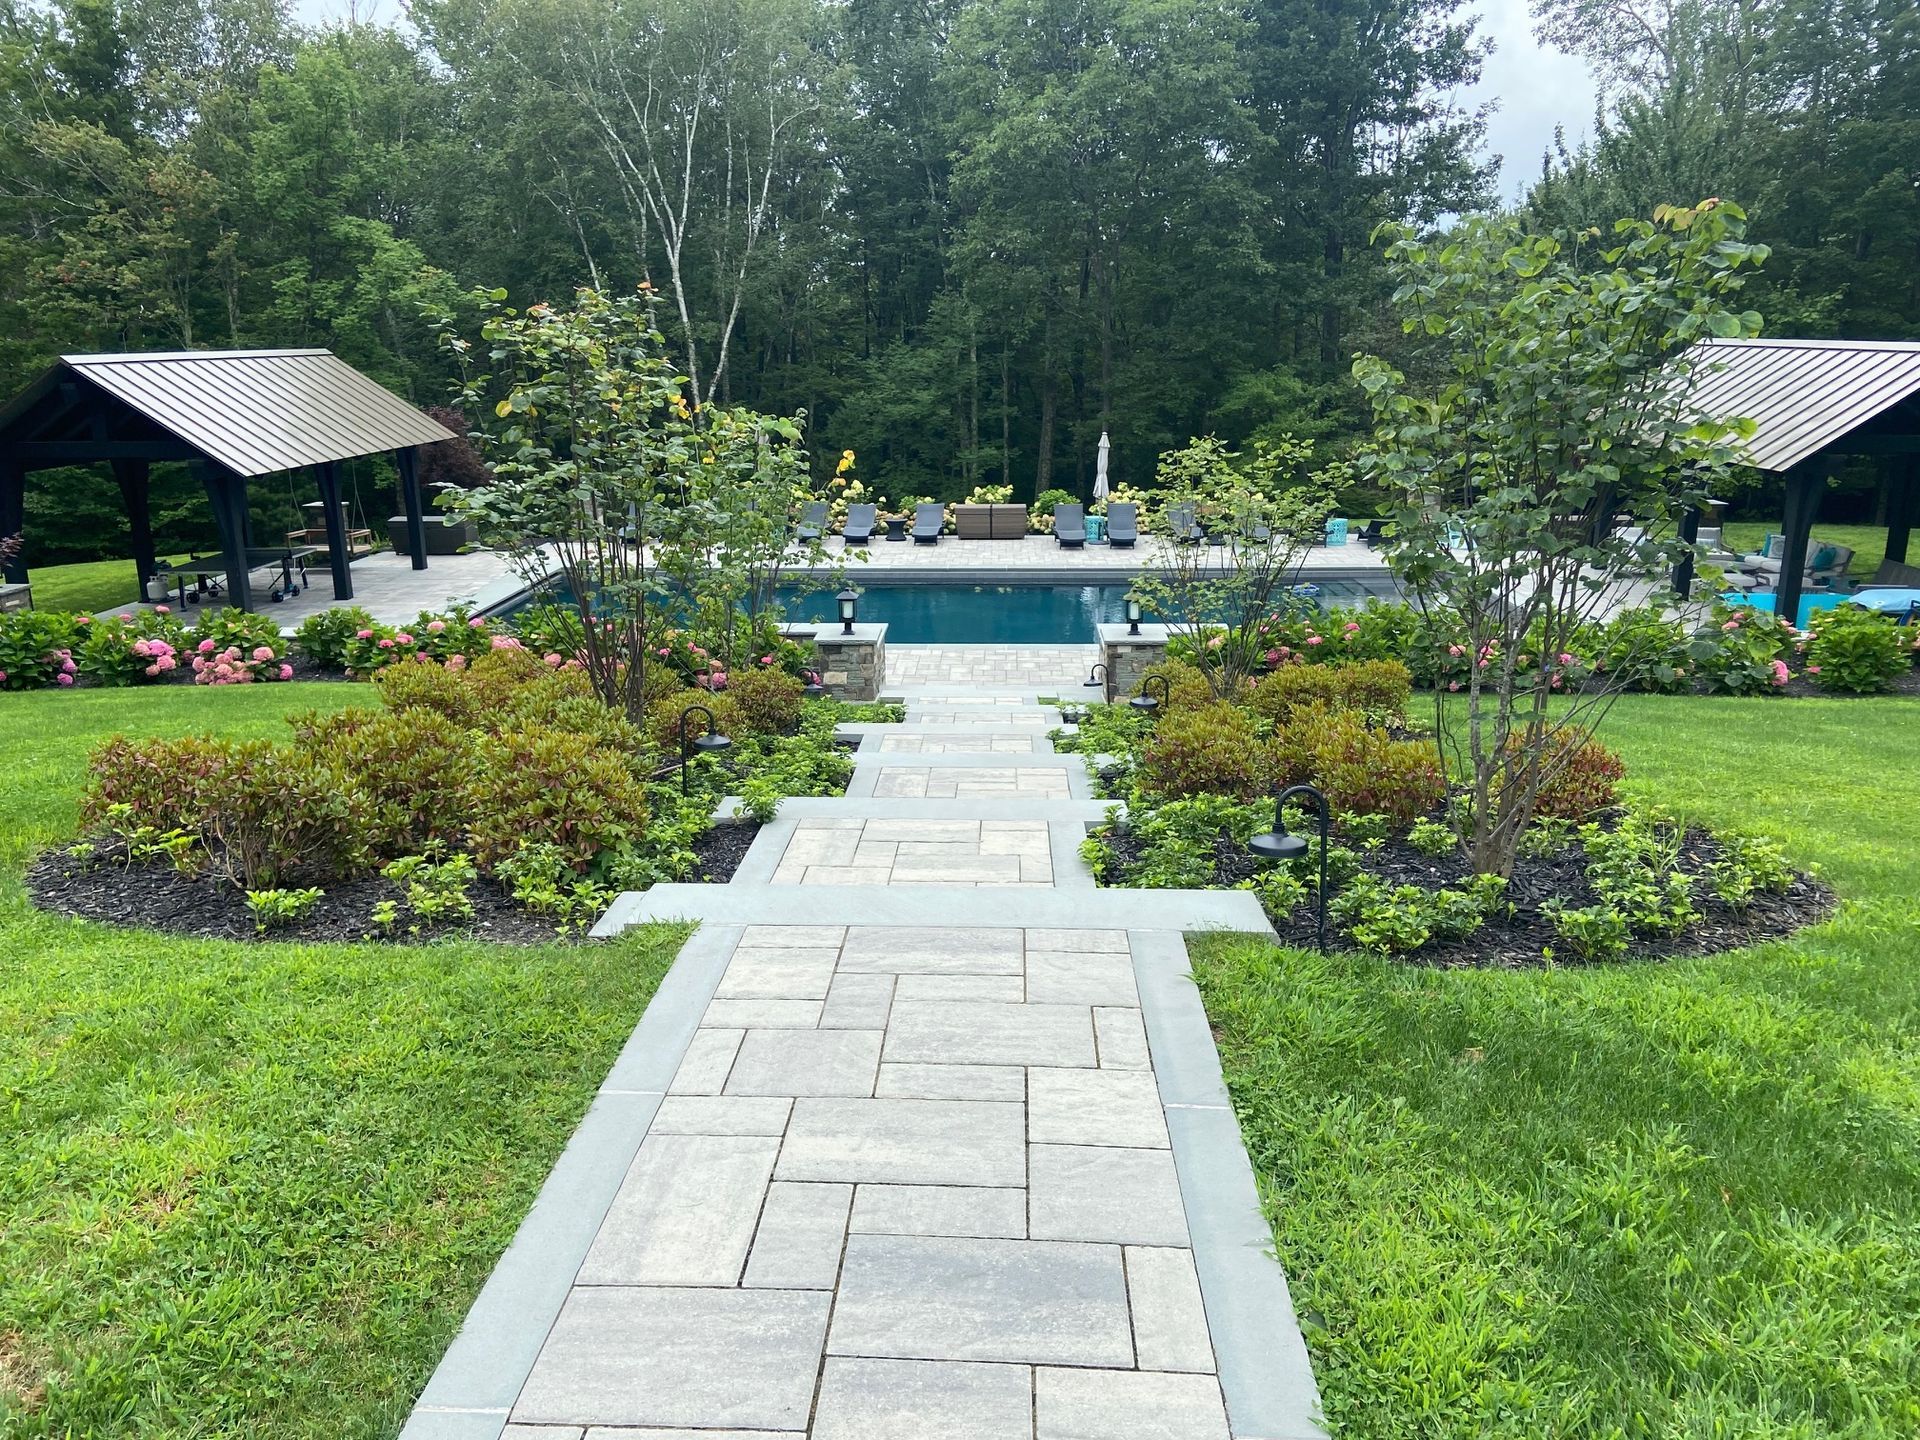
(1802, 394)
(261, 411)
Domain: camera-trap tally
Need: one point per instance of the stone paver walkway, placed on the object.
(940, 1150)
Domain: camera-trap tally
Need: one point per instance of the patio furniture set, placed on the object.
(1753, 579)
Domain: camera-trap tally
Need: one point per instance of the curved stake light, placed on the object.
(711, 742)
(1145, 701)
(1097, 677)
(1278, 844)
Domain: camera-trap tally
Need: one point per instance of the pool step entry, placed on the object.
(921, 1134)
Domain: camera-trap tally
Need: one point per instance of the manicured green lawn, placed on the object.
(89, 585)
(1666, 1200)
(250, 1190)
(1868, 542)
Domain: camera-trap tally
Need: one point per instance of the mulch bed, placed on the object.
(1517, 943)
(157, 897)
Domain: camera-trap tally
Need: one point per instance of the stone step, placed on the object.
(855, 808)
(965, 760)
(932, 905)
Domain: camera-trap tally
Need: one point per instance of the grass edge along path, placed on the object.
(251, 1189)
(1667, 1200)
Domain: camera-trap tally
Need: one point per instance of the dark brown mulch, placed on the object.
(157, 897)
(1518, 942)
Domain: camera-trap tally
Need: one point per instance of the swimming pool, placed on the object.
(1032, 614)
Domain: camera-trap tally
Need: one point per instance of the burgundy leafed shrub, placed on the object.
(535, 786)
(1581, 777)
(1210, 750)
(1362, 770)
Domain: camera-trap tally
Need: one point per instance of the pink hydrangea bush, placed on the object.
(134, 648)
(36, 649)
(234, 666)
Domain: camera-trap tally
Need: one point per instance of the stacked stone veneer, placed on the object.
(852, 667)
(16, 597)
(1129, 657)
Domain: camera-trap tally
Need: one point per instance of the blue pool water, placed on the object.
(998, 614)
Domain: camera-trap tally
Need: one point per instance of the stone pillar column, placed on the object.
(852, 667)
(1129, 657)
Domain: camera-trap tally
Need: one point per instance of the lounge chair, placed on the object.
(1123, 524)
(812, 521)
(1070, 526)
(858, 528)
(927, 520)
(1180, 525)
(1374, 533)
(1825, 565)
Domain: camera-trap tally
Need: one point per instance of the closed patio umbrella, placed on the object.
(1100, 468)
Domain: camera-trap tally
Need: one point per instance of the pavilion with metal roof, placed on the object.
(1813, 403)
(232, 416)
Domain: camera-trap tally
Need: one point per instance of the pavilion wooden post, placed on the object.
(132, 476)
(1803, 505)
(227, 493)
(13, 514)
(328, 474)
(1902, 501)
(1683, 567)
(408, 463)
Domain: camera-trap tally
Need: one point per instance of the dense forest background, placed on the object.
(965, 236)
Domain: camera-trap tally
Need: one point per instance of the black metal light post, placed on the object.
(849, 602)
(1133, 616)
(711, 743)
(1145, 702)
(1279, 845)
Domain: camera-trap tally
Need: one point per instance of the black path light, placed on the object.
(1133, 616)
(849, 602)
(1145, 701)
(710, 743)
(1280, 845)
(1097, 677)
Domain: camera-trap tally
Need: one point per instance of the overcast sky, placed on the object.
(1537, 88)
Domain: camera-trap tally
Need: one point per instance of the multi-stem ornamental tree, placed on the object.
(655, 514)
(1261, 513)
(1552, 395)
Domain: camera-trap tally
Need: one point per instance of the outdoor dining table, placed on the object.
(207, 574)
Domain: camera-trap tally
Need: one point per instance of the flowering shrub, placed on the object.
(234, 666)
(133, 648)
(1646, 649)
(1040, 513)
(324, 637)
(454, 638)
(1856, 651)
(36, 649)
(244, 630)
(1745, 651)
